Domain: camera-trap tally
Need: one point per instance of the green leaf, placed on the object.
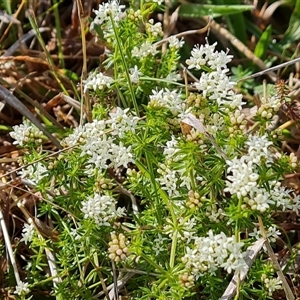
(235, 22)
(198, 10)
(263, 43)
(292, 34)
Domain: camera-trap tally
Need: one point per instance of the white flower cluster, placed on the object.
(146, 49)
(207, 55)
(27, 233)
(22, 288)
(213, 252)
(214, 85)
(97, 81)
(154, 30)
(26, 133)
(135, 74)
(243, 178)
(170, 179)
(272, 233)
(122, 121)
(258, 148)
(174, 42)
(271, 284)
(173, 76)
(102, 209)
(238, 121)
(107, 11)
(102, 147)
(34, 172)
(169, 99)
(269, 106)
(159, 244)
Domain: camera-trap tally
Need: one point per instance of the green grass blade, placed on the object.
(198, 10)
(292, 34)
(263, 43)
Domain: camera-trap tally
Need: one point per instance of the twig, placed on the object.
(286, 287)
(9, 248)
(188, 32)
(86, 100)
(251, 253)
(268, 70)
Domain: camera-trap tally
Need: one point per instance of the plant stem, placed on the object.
(121, 47)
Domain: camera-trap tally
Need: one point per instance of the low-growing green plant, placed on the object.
(159, 196)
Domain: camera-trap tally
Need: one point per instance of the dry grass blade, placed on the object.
(86, 100)
(9, 247)
(191, 120)
(268, 70)
(25, 38)
(185, 33)
(251, 254)
(286, 287)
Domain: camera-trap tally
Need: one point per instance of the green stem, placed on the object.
(146, 78)
(152, 263)
(237, 227)
(192, 180)
(173, 248)
(121, 47)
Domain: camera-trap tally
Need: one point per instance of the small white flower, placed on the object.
(75, 233)
(206, 55)
(259, 199)
(75, 137)
(152, 29)
(135, 74)
(106, 11)
(173, 77)
(168, 180)
(97, 81)
(35, 172)
(295, 203)
(272, 284)
(159, 244)
(25, 133)
(122, 121)
(27, 233)
(214, 251)
(201, 55)
(146, 49)
(120, 156)
(102, 209)
(258, 148)
(243, 177)
(171, 148)
(168, 99)
(174, 42)
(22, 288)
